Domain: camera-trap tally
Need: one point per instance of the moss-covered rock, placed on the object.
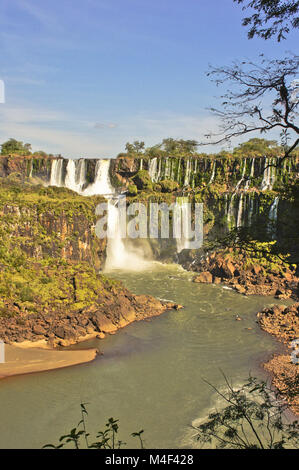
(143, 181)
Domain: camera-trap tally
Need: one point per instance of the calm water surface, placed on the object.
(151, 374)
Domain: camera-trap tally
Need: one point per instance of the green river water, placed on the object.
(151, 374)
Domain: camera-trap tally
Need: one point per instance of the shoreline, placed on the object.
(22, 360)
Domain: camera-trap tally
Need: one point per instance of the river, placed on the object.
(151, 374)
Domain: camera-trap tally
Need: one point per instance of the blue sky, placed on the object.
(83, 78)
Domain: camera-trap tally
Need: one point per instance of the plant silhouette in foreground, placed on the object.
(106, 439)
(253, 418)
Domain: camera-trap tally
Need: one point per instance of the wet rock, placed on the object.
(204, 277)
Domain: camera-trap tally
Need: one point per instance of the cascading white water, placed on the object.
(81, 173)
(153, 169)
(101, 184)
(251, 174)
(242, 176)
(183, 242)
(231, 212)
(213, 172)
(250, 209)
(187, 173)
(121, 255)
(167, 168)
(194, 172)
(240, 211)
(75, 177)
(273, 212)
(269, 174)
(56, 177)
(70, 177)
(159, 170)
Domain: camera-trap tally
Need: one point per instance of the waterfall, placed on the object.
(183, 242)
(187, 173)
(231, 212)
(101, 184)
(240, 211)
(167, 169)
(242, 176)
(56, 177)
(269, 174)
(194, 172)
(178, 172)
(213, 172)
(121, 255)
(250, 210)
(153, 169)
(70, 177)
(81, 173)
(251, 174)
(141, 164)
(159, 170)
(75, 177)
(273, 212)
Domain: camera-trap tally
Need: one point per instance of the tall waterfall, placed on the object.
(153, 169)
(251, 174)
(273, 217)
(120, 254)
(56, 177)
(101, 184)
(167, 168)
(187, 173)
(240, 211)
(213, 172)
(183, 242)
(242, 176)
(231, 211)
(269, 174)
(70, 178)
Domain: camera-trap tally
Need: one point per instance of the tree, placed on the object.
(272, 17)
(255, 146)
(245, 106)
(136, 147)
(253, 417)
(171, 145)
(13, 146)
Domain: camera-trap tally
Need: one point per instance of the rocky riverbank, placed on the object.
(75, 303)
(248, 272)
(283, 323)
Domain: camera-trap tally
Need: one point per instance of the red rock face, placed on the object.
(283, 323)
(72, 238)
(244, 277)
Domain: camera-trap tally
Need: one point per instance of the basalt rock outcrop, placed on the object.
(283, 322)
(67, 302)
(252, 274)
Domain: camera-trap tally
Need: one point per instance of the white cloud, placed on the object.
(57, 131)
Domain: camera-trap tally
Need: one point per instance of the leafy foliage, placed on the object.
(13, 146)
(244, 109)
(253, 417)
(79, 437)
(272, 17)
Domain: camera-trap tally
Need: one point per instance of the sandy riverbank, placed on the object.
(26, 359)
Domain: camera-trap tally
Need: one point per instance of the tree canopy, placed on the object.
(271, 17)
(13, 146)
(245, 106)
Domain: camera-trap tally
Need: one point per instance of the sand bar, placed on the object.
(25, 360)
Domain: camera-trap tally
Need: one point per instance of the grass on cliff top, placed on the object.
(14, 191)
(35, 286)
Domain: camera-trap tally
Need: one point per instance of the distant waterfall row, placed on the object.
(241, 210)
(75, 176)
(262, 172)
